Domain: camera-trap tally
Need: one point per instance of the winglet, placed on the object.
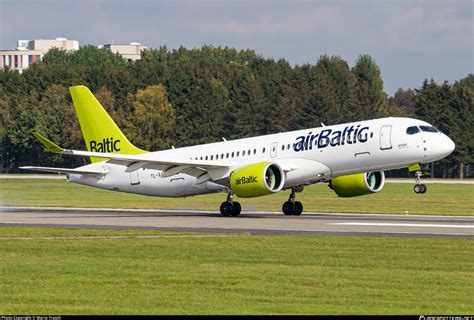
(51, 146)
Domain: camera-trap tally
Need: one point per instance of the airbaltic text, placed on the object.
(328, 137)
(244, 180)
(106, 145)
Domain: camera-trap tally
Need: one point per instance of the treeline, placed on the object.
(183, 97)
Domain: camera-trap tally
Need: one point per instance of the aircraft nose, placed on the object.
(447, 146)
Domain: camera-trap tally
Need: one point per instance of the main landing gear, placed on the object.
(230, 207)
(292, 207)
(419, 187)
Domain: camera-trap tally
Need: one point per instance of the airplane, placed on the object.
(350, 157)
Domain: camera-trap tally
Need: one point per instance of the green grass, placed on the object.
(441, 199)
(237, 274)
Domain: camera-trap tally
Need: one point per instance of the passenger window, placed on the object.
(222, 156)
(282, 147)
(238, 153)
(254, 151)
(232, 154)
(263, 150)
(428, 129)
(413, 130)
(206, 157)
(227, 156)
(212, 157)
(243, 153)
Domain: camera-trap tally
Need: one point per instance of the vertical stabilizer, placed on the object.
(100, 132)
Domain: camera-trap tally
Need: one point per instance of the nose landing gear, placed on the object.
(419, 187)
(230, 207)
(292, 207)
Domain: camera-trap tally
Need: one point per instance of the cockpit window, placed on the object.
(413, 130)
(428, 129)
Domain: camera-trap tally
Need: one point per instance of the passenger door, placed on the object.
(386, 137)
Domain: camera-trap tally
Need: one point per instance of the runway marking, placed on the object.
(381, 224)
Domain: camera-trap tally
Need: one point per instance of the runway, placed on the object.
(250, 222)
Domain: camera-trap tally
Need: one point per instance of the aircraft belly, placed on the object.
(144, 181)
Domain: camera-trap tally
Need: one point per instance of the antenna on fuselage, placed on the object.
(224, 139)
(322, 124)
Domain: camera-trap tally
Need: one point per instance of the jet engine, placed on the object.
(358, 184)
(257, 179)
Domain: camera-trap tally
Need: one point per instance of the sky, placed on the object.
(409, 40)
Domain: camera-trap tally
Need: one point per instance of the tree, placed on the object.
(462, 123)
(402, 104)
(371, 99)
(332, 95)
(57, 56)
(153, 119)
(4, 123)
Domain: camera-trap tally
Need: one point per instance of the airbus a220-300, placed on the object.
(351, 157)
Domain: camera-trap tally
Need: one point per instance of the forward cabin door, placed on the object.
(386, 137)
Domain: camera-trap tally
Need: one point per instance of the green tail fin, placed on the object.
(100, 132)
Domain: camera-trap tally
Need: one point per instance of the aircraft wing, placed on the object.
(64, 170)
(202, 169)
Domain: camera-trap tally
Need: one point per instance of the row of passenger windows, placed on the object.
(415, 129)
(236, 154)
(229, 155)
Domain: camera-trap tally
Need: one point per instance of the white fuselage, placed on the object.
(311, 156)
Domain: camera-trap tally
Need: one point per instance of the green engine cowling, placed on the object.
(257, 180)
(358, 184)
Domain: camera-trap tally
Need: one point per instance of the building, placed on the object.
(130, 52)
(32, 51)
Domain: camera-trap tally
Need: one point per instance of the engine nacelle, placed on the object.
(358, 184)
(257, 179)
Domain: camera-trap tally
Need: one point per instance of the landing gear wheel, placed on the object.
(236, 208)
(292, 208)
(287, 208)
(226, 208)
(298, 208)
(424, 188)
(419, 187)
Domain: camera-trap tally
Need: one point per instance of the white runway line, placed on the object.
(382, 224)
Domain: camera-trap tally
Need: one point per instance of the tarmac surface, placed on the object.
(250, 222)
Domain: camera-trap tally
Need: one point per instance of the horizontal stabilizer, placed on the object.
(64, 170)
(51, 146)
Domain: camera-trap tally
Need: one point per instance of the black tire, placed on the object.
(236, 208)
(287, 208)
(226, 209)
(417, 188)
(297, 208)
(424, 188)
